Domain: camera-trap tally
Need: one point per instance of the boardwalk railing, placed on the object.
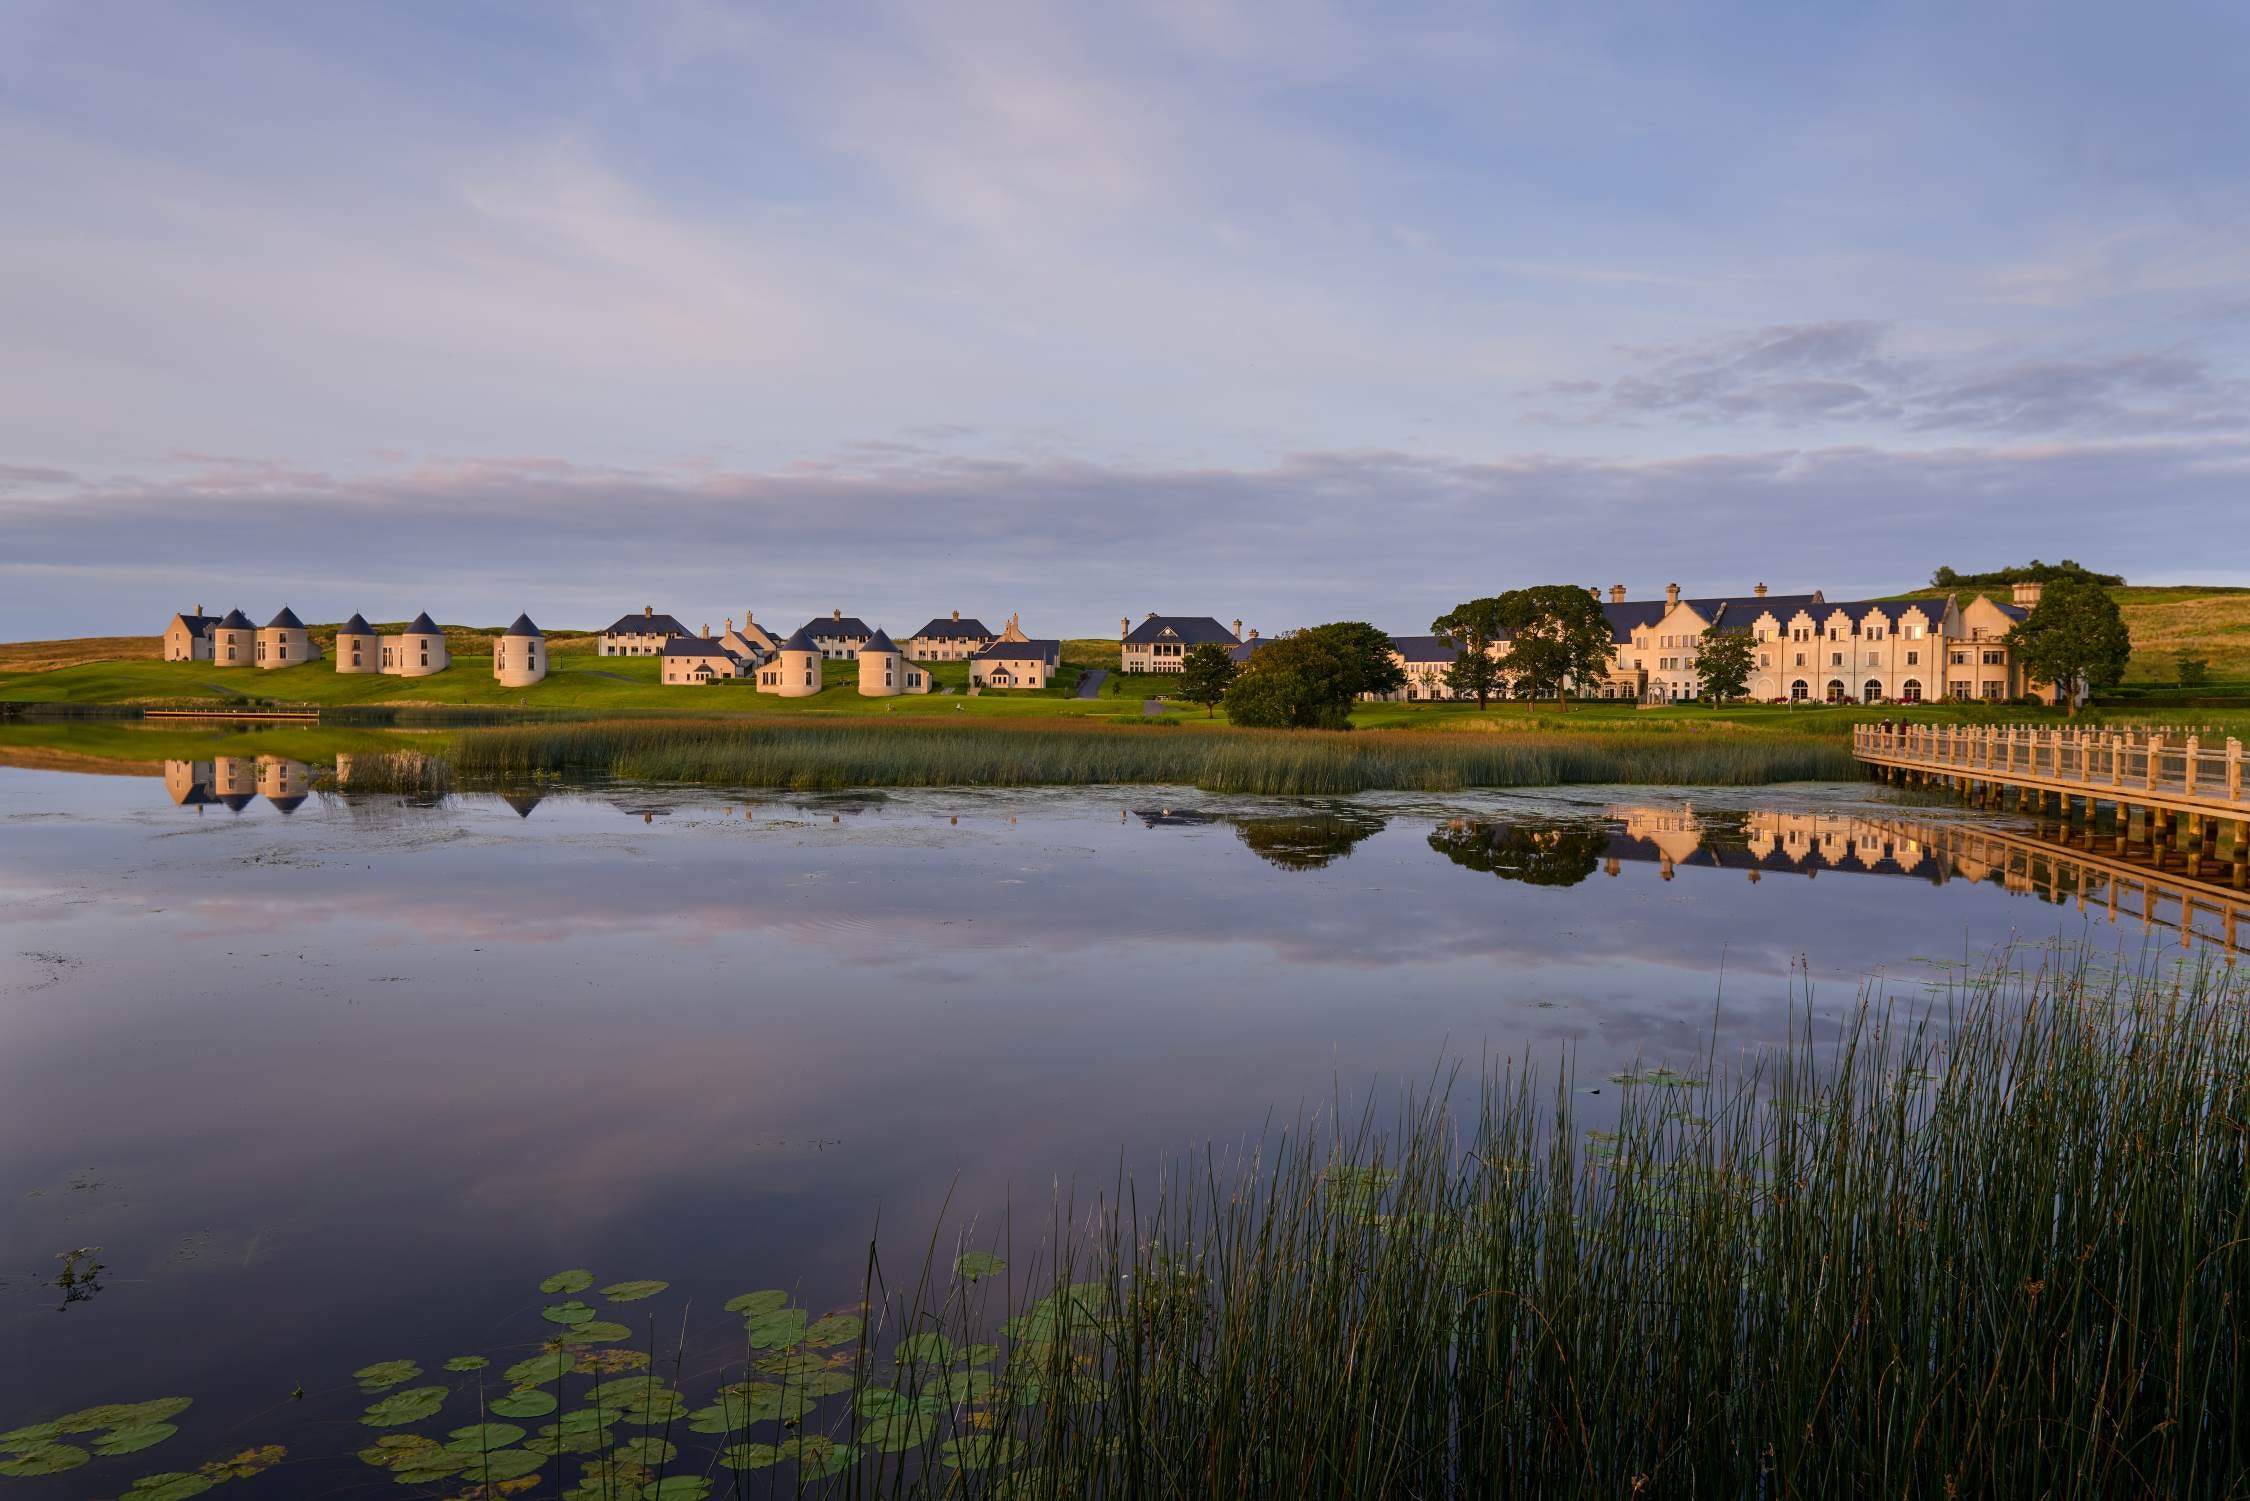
(2127, 765)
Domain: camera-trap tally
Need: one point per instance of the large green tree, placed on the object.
(1722, 664)
(1368, 658)
(1472, 628)
(2074, 638)
(1558, 636)
(1206, 672)
(1298, 682)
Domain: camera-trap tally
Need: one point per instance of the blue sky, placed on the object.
(1286, 312)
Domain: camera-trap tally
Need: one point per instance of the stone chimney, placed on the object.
(199, 609)
(1124, 627)
(1760, 591)
(956, 614)
(747, 619)
(2026, 595)
(1596, 591)
(835, 614)
(1671, 594)
(1617, 594)
(647, 611)
(1238, 630)
(1151, 615)
(1253, 633)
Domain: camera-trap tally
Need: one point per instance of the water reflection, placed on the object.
(1309, 841)
(1547, 853)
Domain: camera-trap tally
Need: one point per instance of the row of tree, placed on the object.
(2033, 572)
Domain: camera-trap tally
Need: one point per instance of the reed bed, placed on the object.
(2002, 1249)
(809, 757)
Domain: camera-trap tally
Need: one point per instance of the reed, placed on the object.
(1999, 1249)
(809, 757)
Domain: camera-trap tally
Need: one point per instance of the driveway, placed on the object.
(1090, 686)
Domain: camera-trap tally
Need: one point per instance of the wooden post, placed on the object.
(2192, 744)
(2155, 754)
(2234, 770)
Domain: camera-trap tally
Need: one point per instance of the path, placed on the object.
(1090, 684)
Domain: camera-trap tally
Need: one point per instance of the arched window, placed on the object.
(1910, 691)
(1871, 691)
(1835, 690)
(1799, 692)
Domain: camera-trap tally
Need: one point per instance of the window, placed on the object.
(1765, 659)
(1995, 659)
(1991, 690)
(1871, 691)
(1913, 659)
(1910, 691)
(1800, 659)
(1960, 659)
(1798, 692)
(1835, 690)
(1835, 658)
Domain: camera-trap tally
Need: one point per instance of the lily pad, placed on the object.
(648, 1450)
(609, 1362)
(750, 1456)
(541, 1369)
(385, 1374)
(836, 1329)
(576, 1280)
(597, 1331)
(244, 1464)
(174, 1485)
(571, 1313)
(393, 1450)
(467, 1363)
(757, 1402)
(817, 1455)
(929, 1348)
(677, 1488)
(750, 1305)
(530, 1403)
(975, 1266)
(503, 1464)
(31, 1433)
(588, 1419)
(633, 1292)
(909, 1427)
(821, 1383)
(429, 1468)
(782, 1327)
(43, 1459)
(982, 1451)
(553, 1440)
(479, 1437)
(134, 1439)
(401, 1408)
(791, 1363)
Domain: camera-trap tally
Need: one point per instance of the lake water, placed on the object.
(331, 1080)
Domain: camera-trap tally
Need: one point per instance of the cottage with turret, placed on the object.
(885, 671)
(794, 671)
(519, 654)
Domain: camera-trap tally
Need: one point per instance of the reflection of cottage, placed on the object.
(188, 783)
(952, 640)
(232, 640)
(1161, 643)
(794, 671)
(358, 648)
(641, 635)
(1016, 661)
(283, 782)
(690, 661)
(188, 637)
(519, 654)
(416, 652)
(234, 781)
(885, 672)
(284, 642)
(839, 637)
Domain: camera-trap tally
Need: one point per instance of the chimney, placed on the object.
(835, 614)
(2026, 594)
(1238, 630)
(1151, 615)
(1595, 590)
(1671, 594)
(647, 610)
(1124, 627)
(1617, 594)
(747, 618)
(956, 614)
(706, 630)
(1760, 591)
(1253, 633)
(199, 609)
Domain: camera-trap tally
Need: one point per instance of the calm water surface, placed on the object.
(331, 1081)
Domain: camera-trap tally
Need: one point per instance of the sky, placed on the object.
(1273, 311)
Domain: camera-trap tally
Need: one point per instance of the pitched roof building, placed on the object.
(1160, 643)
(949, 640)
(641, 635)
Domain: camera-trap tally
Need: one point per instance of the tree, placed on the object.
(2033, 572)
(1205, 675)
(2074, 638)
(1723, 664)
(2195, 671)
(1559, 636)
(1542, 854)
(1297, 682)
(1368, 657)
(1472, 628)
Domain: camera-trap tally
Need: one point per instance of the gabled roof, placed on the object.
(1189, 630)
(880, 642)
(1424, 649)
(356, 626)
(197, 624)
(848, 628)
(524, 627)
(646, 625)
(236, 621)
(1049, 652)
(953, 630)
(423, 626)
(801, 641)
(1724, 612)
(1241, 654)
(698, 646)
(286, 621)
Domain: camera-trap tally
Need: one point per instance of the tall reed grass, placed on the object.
(826, 756)
(2002, 1249)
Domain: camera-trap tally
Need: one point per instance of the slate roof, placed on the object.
(288, 803)
(880, 642)
(1189, 630)
(1857, 611)
(1729, 612)
(197, 624)
(1424, 649)
(698, 646)
(423, 626)
(647, 625)
(801, 641)
(953, 630)
(286, 621)
(356, 626)
(236, 621)
(850, 628)
(524, 627)
(1241, 655)
(2013, 612)
(1049, 652)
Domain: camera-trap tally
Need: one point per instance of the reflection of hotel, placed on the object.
(234, 782)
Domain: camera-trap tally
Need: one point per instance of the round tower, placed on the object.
(519, 655)
(418, 651)
(284, 642)
(234, 641)
(794, 671)
(358, 648)
(882, 667)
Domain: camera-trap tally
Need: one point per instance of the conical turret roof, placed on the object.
(286, 621)
(523, 627)
(236, 621)
(424, 626)
(801, 641)
(880, 641)
(356, 626)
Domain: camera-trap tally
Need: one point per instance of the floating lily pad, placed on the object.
(817, 1455)
(978, 1265)
(597, 1331)
(134, 1439)
(467, 1363)
(49, 1458)
(609, 1362)
(882, 1402)
(531, 1403)
(821, 1383)
(791, 1363)
(982, 1451)
(965, 1386)
(750, 1305)
(677, 1488)
(503, 1464)
(553, 1440)
(589, 1419)
(783, 1326)
(576, 1280)
(909, 1427)
(571, 1313)
(1077, 1308)
(540, 1370)
(836, 1329)
(759, 1402)
(395, 1449)
(478, 1437)
(401, 1408)
(31, 1433)
(246, 1463)
(134, 1414)
(648, 1450)
(750, 1456)
(930, 1348)
(633, 1292)
(438, 1464)
(172, 1486)
(385, 1374)
(976, 1355)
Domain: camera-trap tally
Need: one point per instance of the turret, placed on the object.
(794, 671)
(233, 641)
(519, 654)
(418, 651)
(358, 648)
